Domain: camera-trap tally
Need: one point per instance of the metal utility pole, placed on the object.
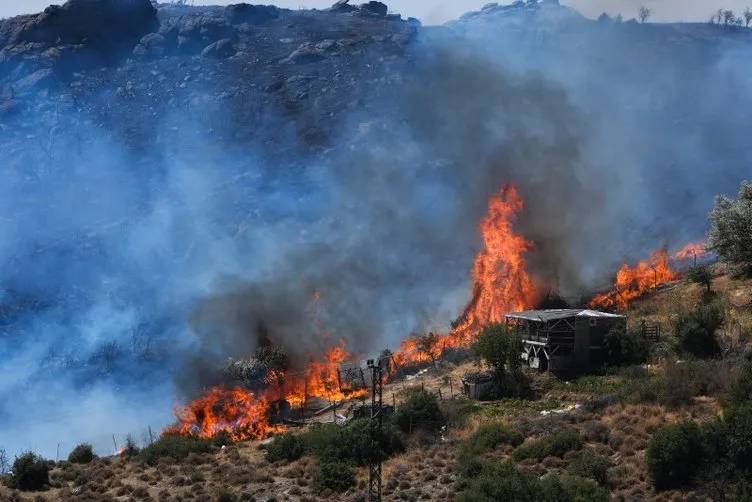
(374, 465)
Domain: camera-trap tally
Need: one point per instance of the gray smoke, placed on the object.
(131, 273)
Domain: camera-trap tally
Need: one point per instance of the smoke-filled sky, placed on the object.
(440, 11)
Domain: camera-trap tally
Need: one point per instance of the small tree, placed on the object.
(81, 454)
(674, 455)
(644, 14)
(4, 462)
(500, 349)
(747, 17)
(702, 276)
(728, 17)
(30, 472)
(428, 345)
(730, 235)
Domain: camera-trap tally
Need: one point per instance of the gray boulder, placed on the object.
(221, 49)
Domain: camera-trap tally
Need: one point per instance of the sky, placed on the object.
(440, 11)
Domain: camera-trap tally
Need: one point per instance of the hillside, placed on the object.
(615, 415)
(183, 186)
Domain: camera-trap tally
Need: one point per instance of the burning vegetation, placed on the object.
(500, 283)
(634, 281)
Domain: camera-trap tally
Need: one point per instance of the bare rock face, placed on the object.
(378, 8)
(252, 14)
(103, 23)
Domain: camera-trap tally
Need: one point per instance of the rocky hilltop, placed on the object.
(144, 60)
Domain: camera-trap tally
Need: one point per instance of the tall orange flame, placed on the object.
(500, 284)
(500, 281)
(632, 282)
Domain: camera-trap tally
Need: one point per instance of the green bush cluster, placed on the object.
(486, 438)
(715, 457)
(420, 410)
(554, 445)
(176, 447)
(590, 465)
(335, 475)
(679, 383)
(337, 449)
(674, 455)
(286, 446)
(500, 349)
(30, 472)
(696, 330)
(81, 454)
(498, 480)
(625, 347)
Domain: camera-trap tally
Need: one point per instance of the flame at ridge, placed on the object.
(632, 282)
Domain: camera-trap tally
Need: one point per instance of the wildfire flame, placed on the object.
(632, 282)
(500, 282)
(245, 415)
(237, 412)
(691, 251)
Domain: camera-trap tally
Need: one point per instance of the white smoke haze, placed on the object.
(129, 276)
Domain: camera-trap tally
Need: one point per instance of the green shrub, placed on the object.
(571, 488)
(420, 410)
(351, 443)
(555, 445)
(591, 466)
(175, 446)
(286, 446)
(738, 428)
(625, 347)
(740, 390)
(486, 438)
(335, 475)
(675, 454)
(696, 330)
(30, 472)
(225, 495)
(81, 454)
(457, 411)
(490, 436)
(497, 480)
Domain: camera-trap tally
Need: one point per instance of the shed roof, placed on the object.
(553, 314)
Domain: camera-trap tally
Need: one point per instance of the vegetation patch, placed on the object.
(555, 445)
(176, 447)
(420, 410)
(498, 480)
(335, 475)
(30, 472)
(81, 454)
(286, 446)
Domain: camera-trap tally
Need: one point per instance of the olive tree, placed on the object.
(730, 235)
(500, 349)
